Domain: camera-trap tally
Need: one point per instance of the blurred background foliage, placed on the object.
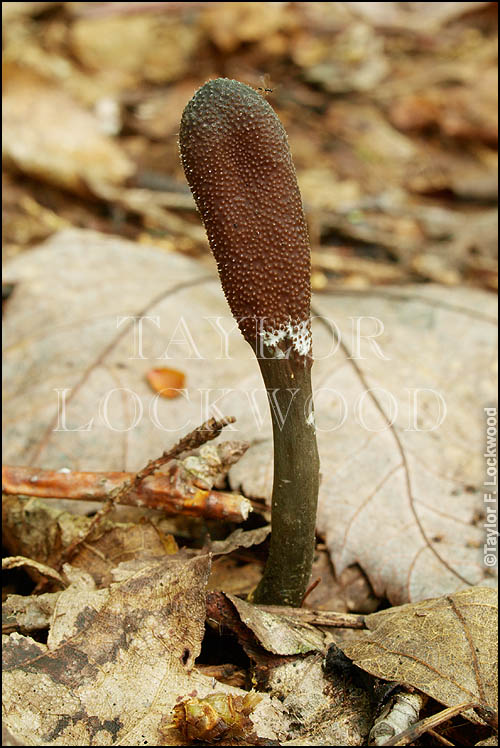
(390, 108)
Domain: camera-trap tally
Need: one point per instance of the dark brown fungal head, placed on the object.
(237, 162)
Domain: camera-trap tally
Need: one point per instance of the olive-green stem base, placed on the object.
(296, 481)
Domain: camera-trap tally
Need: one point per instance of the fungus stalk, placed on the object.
(237, 162)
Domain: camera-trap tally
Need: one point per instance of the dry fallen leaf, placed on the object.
(402, 501)
(120, 544)
(116, 662)
(351, 60)
(135, 47)
(326, 710)
(459, 112)
(276, 633)
(40, 531)
(101, 646)
(288, 655)
(413, 16)
(244, 22)
(446, 647)
(405, 501)
(240, 539)
(48, 135)
(234, 576)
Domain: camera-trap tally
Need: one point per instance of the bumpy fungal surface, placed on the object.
(237, 162)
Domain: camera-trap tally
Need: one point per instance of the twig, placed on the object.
(440, 738)
(318, 617)
(418, 729)
(204, 433)
(161, 491)
(311, 587)
(164, 491)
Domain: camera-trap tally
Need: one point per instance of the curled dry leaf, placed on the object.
(138, 542)
(240, 539)
(36, 529)
(231, 574)
(12, 562)
(281, 635)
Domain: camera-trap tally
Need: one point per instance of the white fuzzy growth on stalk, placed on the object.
(299, 336)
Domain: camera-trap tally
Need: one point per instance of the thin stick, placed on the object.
(318, 617)
(311, 587)
(440, 738)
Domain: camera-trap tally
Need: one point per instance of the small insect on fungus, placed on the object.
(266, 85)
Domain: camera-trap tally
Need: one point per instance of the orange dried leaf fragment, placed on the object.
(167, 382)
